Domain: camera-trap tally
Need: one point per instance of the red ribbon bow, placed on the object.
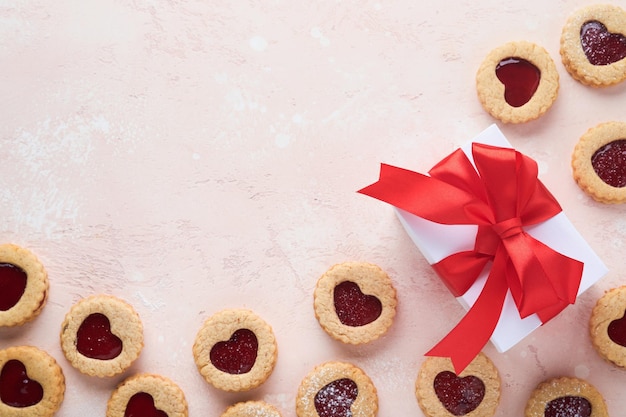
(502, 195)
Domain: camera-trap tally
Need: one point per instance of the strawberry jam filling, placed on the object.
(459, 395)
(609, 162)
(238, 354)
(520, 79)
(16, 388)
(569, 406)
(142, 405)
(353, 307)
(95, 340)
(336, 398)
(600, 46)
(12, 285)
(617, 330)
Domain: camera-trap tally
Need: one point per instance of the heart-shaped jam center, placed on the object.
(12, 285)
(609, 162)
(353, 307)
(617, 330)
(238, 354)
(336, 398)
(95, 340)
(520, 79)
(142, 405)
(569, 406)
(601, 46)
(16, 388)
(459, 395)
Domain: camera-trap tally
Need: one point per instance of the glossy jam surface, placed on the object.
(336, 398)
(238, 354)
(12, 285)
(520, 79)
(459, 395)
(569, 406)
(95, 340)
(600, 46)
(353, 307)
(16, 388)
(142, 405)
(617, 330)
(609, 162)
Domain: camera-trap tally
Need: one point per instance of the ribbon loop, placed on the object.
(504, 185)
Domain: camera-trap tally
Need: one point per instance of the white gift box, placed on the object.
(437, 241)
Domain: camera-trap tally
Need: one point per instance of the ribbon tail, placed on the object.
(472, 333)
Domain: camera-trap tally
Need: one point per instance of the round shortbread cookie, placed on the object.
(235, 350)
(607, 326)
(101, 336)
(147, 394)
(565, 396)
(599, 162)
(440, 392)
(355, 302)
(337, 387)
(593, 45)
(23, 285)
(517, 82)
(251, 409)
(31, 383)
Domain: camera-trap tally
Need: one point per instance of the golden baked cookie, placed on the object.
(517, 82)
(336, 388)
(355, 302)
(441, 392)
(31, 383)
(251, 409)
(565, 397)
(599, 162)
(147, 395)
(23, 285)
(593, 45)
(235, 350)
(607, 326)
(102, 335)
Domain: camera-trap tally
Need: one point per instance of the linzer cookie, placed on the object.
(147, 395)
(235, 350)
(355, 302)
(441, 392)
(251, 409)
(23, 285)
(565, 397)
(101, 336)
(607, 326)
(517, 82)
(336, 389)
(599, 162)
(593, 45)
(31, 383)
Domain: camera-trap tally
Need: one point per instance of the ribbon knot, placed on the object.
(508, 228)
(502, 184)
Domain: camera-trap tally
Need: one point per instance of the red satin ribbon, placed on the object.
(502, 195)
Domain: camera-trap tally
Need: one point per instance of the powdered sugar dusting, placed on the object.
(336, 398)
(332, 391)
(568, 406)
(254, 409)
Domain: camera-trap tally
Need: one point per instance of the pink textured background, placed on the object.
(190, 156)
